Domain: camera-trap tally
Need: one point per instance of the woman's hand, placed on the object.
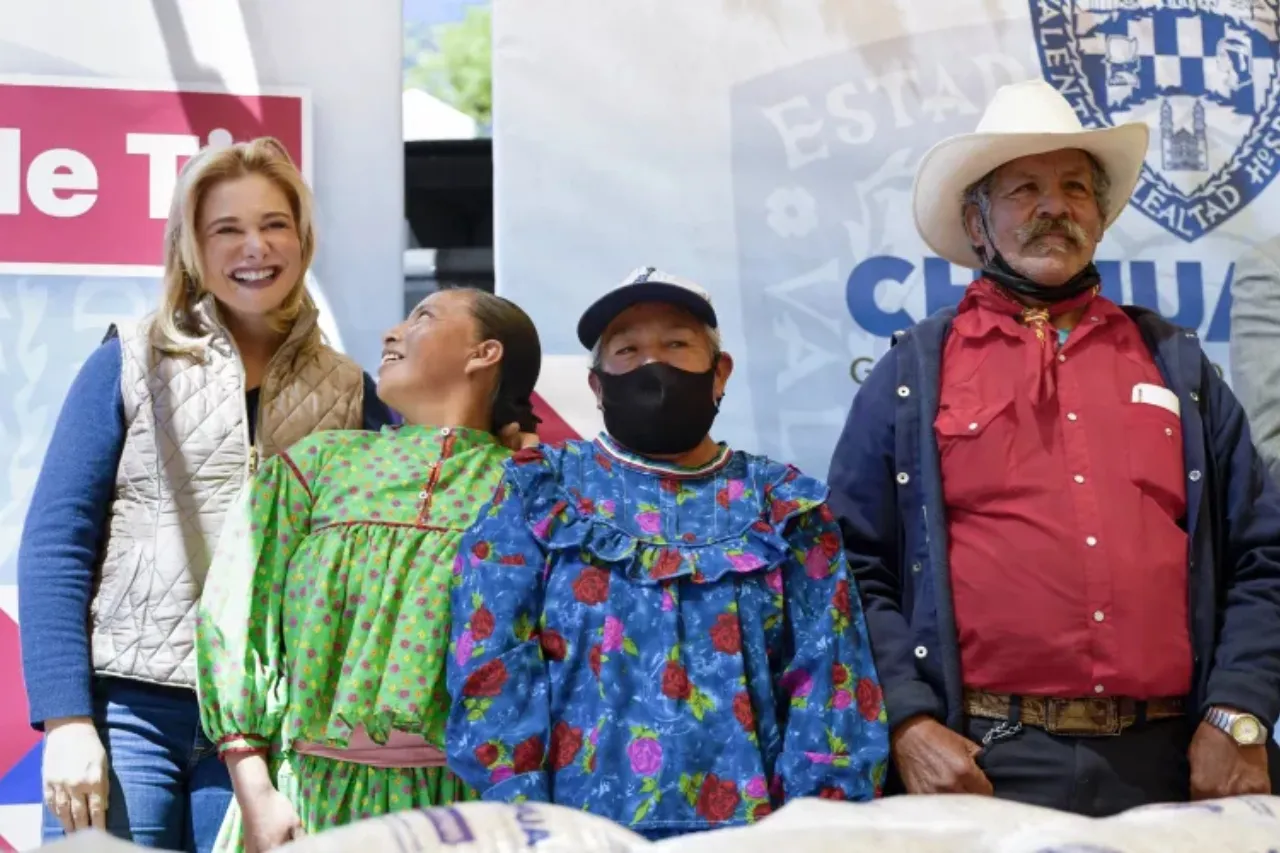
(75, 773)
(514, 439)
(269, 819)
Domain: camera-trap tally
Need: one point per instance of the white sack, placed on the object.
(477, 828)
(970, 824)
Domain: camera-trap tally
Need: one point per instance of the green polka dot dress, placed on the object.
(327, 609)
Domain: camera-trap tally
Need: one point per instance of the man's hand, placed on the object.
(1220, 767)
(932, 759)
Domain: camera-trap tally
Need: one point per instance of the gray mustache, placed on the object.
(1060, 225)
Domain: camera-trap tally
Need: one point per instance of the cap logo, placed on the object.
(644, 276)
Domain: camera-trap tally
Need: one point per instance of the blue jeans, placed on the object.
(168, 787)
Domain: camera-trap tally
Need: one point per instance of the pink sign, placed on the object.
(87, 168)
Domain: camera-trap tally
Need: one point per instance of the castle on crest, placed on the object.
(1184, 149)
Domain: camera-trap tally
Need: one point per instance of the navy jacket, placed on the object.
(886, 489)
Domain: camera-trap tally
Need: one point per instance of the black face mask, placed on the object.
(999, 271)
(657, 408)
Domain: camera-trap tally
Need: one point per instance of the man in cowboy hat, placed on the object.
(1068, 550)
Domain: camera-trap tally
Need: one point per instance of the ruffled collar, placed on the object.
(738, 523)
(659, 467)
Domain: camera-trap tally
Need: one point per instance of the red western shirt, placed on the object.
(1068, 556)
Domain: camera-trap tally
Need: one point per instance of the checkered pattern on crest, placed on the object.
(1224, 61)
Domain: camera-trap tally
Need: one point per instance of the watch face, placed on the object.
(1246, 730)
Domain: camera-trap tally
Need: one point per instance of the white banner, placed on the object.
(766, 149)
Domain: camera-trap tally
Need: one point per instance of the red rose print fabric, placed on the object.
(671, 633)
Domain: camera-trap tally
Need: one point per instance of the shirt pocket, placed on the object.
(1156, 464)
(974, 441)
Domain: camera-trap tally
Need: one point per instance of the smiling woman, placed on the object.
(426, 363)
(337, 566)
(251, 245)
(241, 233)
(161, 428)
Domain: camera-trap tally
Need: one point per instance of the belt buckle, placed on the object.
(1101, 717)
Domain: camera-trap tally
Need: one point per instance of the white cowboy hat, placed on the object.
(1022, 119)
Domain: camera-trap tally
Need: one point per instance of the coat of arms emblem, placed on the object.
(1201, 74)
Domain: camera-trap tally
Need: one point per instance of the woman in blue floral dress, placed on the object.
(652, 626)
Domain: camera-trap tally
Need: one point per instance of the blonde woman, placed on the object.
(161, 428)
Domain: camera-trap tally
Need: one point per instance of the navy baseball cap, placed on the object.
(646, 284)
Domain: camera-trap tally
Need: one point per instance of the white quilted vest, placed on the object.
(186, 454)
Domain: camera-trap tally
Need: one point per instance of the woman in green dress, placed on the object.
(324, 624)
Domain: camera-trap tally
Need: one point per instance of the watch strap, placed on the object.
(1219, 719)
(1225, 720)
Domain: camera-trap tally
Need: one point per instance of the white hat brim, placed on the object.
(949, 167)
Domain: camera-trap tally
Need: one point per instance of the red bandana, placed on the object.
(989, 295)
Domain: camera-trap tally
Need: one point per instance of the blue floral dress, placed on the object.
(674, 649)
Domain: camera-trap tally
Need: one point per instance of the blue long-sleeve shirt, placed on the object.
(66, 526)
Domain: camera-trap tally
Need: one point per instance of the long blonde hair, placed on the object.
(177, 328)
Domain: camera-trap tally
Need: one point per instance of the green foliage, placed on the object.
(458, 69)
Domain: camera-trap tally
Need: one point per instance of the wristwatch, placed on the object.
(1245, 729)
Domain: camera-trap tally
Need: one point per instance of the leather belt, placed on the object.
(1073, 717)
